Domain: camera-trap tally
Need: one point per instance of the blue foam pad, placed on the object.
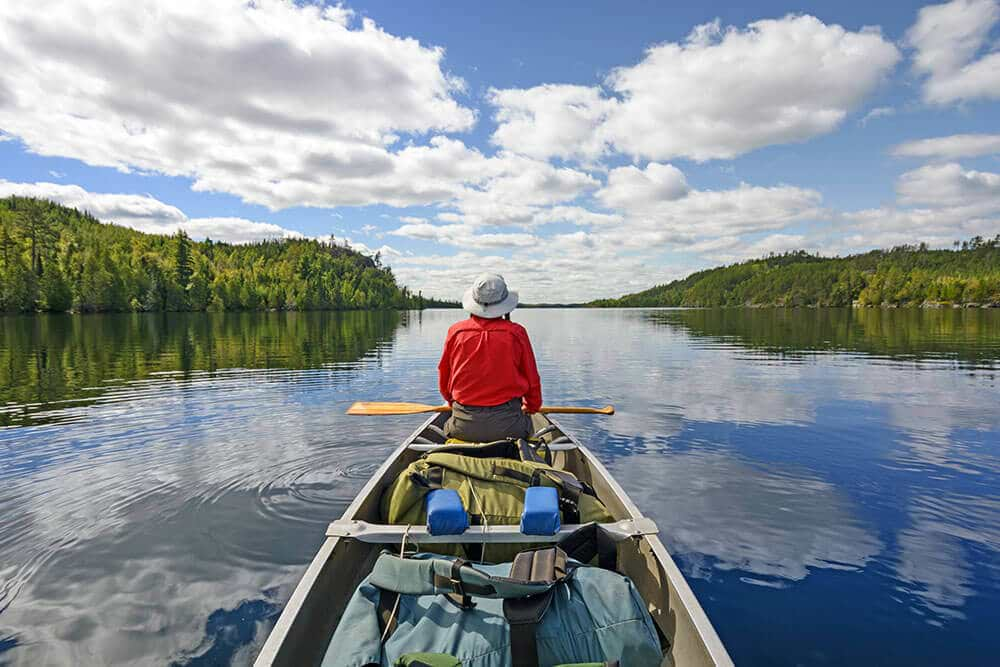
(445, 513)
(541, 511)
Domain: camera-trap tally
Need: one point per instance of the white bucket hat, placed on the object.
(489, 297)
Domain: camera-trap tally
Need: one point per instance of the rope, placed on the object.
(395, 606)
(486, 524)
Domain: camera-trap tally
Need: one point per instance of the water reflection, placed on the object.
(164, 515)
(721, 512)
(163, 482)
(888, 462)
(967, 335)
(49, 359)
(935, 559)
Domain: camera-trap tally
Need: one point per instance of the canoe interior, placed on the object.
(302, 633)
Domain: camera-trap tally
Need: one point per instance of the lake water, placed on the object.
(828, 480)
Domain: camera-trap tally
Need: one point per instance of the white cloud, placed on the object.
(877, 112)
(726, 92)
(515, 190)
(654, 210)
(735, 249)
(148, 214)
(948, 39)
(889, 226)
(387, 252)
(662, 209)
(464, 236)
(551, 120)
(950, 147)
(279, 103)
(936, 204)
(631, 187)
(578, 216)
(565, 268)
(948, 185)
(719, 94)
(231, 230)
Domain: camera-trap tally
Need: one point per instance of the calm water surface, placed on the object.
(828, 480)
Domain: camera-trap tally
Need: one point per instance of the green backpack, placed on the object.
(491, 480)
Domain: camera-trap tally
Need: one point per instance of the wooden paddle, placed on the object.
(375, 408)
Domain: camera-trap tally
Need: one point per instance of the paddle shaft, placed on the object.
(574, 410)
(379, 408)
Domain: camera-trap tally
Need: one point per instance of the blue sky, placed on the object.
(583, 151)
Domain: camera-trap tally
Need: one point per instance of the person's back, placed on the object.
(487, 371)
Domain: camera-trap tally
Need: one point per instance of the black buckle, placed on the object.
(459, 597)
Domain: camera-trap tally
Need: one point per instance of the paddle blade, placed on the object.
(378, 408)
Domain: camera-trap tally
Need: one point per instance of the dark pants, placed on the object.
(486, 424)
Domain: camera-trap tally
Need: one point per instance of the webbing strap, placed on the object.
(527, 452)
(498, 449)
(519, 449)
(588, 541)
(428, 576)
(502, 471)
(544, 564)
(523, 615)
(431, 478)
(460, 596)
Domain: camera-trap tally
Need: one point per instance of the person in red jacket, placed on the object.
(487, 372)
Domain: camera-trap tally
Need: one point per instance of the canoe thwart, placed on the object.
(385, 534)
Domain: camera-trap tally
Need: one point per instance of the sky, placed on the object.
(582, 150)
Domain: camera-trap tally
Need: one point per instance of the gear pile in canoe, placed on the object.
(515, 553)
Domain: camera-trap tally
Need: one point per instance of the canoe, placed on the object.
(303, 631)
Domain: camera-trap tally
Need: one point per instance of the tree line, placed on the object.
(57, 259)
(909, 275)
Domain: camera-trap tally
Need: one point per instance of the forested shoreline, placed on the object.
(905, 276)
(58, 259)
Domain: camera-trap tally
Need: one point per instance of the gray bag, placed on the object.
(542, 609)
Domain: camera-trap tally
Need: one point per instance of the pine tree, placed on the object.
(182, 260)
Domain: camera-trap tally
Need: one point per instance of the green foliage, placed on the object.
(54, 258)
(903, 276)
(52, 358)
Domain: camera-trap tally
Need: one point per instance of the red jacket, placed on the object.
(489, 362)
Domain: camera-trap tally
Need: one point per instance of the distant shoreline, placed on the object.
(937, 305)
(547, 306)
(908, 276)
